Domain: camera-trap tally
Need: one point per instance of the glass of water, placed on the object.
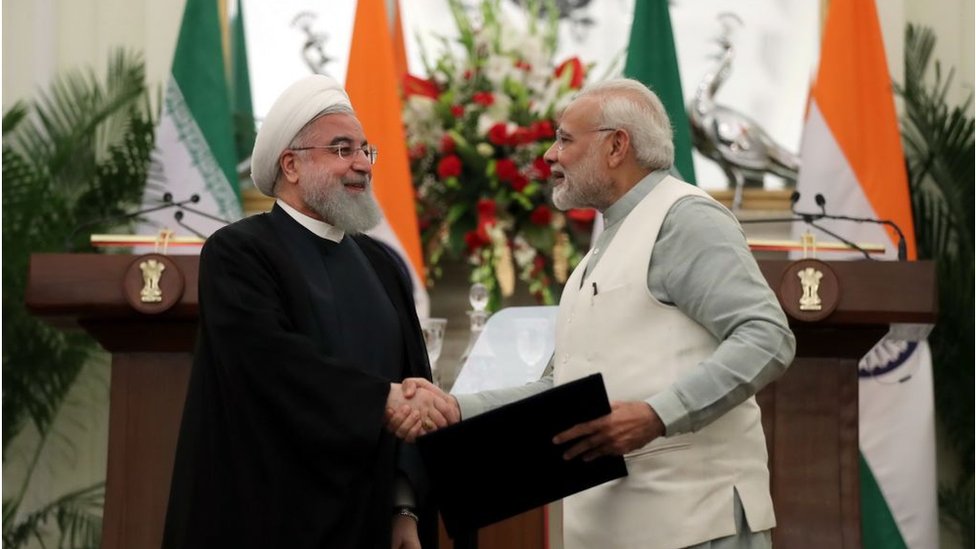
(433, 329)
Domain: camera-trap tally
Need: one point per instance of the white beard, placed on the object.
(353, 213)
(583, 188)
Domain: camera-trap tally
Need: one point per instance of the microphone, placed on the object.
(178, 216)
(809, 219)
(167, 203)
(902, 243)
(794, 197)
(822, 202)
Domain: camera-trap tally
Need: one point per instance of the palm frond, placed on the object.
(939, 150)
(79, 152)
(77, 517)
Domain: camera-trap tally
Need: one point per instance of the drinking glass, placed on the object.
(530, 339)
(433, 329)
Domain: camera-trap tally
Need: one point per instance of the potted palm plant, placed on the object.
(938, 142)
(78, 152)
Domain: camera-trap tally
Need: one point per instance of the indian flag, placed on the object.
(852, 155)
(373, 86)
(194, 160)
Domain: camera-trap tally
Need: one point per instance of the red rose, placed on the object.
(578, 72)
(521, 136)
(582, 215)
(449, 166)
(418, 151)
(541, 215)
(419, 86)
(457, 111)
(543, 129)
(498, 134)
(474, 240)
(486, 208)
(468, 73)
(519, 183)
(524, 65)
(485, 99)
(447, 144)
(541, 167)
(506, 170)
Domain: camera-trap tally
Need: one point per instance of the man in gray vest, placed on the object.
(670, 306)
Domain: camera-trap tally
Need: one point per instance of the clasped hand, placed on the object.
(417, 407)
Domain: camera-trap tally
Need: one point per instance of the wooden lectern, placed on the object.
(151, 357)
(809, 415)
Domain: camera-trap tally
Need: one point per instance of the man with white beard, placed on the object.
(671, 308)
(306, 326)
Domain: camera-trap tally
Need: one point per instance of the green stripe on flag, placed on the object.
(241, 89)
(878, 527)
(652, 59)
(198, 69)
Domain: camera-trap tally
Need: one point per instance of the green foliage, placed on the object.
(78, 516)
(938, 142)
(78, 153)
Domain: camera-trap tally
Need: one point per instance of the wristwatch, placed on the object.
(406, 512)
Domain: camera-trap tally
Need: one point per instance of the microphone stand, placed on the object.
(167, 203)
(811, 218)
(178, 216)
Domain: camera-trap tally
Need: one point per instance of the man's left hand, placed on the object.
(628, 426)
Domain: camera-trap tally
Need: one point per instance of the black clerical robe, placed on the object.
(282, 442)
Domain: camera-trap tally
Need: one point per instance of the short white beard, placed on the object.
(353, 213)
(583, 189)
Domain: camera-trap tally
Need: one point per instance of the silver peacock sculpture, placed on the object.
(743, 150)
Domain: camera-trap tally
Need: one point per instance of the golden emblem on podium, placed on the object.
(810, 282)
(152, 271)
(809, 290)
(152, 283)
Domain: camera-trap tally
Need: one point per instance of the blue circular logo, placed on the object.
(887, 356)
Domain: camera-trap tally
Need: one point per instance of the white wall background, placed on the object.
(777, 45)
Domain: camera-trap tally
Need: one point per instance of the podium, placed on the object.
(809, 414)
(151, 358)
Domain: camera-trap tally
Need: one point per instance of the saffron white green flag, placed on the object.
(852, 155)
(194, 159)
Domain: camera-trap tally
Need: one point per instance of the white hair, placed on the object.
(629, 105)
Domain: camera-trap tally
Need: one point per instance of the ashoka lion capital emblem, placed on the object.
(152, 271)
(810, 282)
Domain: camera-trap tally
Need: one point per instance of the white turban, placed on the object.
(293, 109)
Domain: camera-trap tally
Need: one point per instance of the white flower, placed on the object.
(420, 117)
(485, 149)
(523, 252)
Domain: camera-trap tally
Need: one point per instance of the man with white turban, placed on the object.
(306, 326)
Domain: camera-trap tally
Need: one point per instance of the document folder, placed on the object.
(501, 463)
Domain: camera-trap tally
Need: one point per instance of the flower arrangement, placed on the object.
(476, 131)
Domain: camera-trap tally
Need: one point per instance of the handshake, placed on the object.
(417, 407)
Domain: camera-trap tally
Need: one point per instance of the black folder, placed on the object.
(501, 463)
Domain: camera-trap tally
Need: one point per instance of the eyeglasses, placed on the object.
(345, 152)
(563, 140)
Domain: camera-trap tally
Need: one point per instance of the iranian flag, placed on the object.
(852, 155)
(194, 160)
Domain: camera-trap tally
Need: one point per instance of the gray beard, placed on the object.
(353, 213)
(582, 189)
